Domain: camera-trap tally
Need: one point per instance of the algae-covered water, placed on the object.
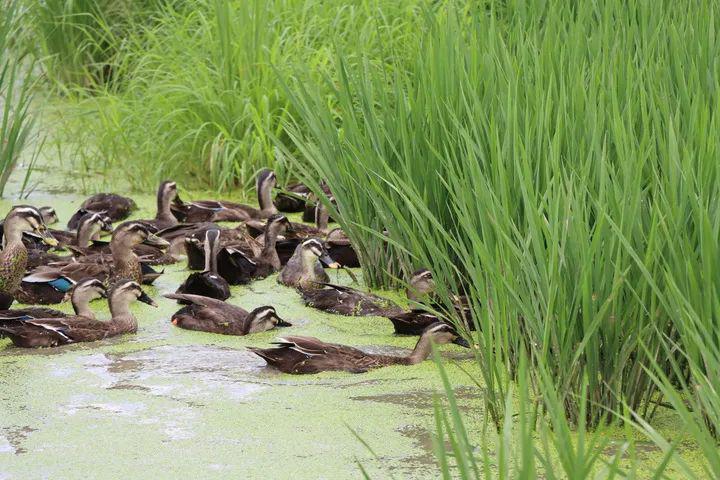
(167, 402)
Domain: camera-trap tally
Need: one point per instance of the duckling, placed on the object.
(305, 267)
(14, 256)
(208, 283)
(83, 293)
(166, 196)
(115, 207)
(53, 332)
(305, 355)
(49, 284)
(215, 316)
(221, 211)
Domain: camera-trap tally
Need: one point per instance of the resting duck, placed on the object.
(293, 198)
(14, 256)
(237, 237)
(305, 267)
(53, 332)
(115, 207)
(49, 215)
(50, 284)
(208, 283)
(222, 211)
(302, 355)
(83, 293)
(215, 316)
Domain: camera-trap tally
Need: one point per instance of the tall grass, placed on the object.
(16, 120)
(558, 165)
(200, 98)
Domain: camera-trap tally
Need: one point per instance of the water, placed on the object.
(167, 402)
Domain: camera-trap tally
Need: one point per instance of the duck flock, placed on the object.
(42, 266)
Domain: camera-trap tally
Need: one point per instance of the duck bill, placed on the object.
(47, 238)
(156, 241)
(282, 323)
(146, 299)
(462, 342)
(326, 260)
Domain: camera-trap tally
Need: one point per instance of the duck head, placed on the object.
(49, 215)
(421, 284)
(25, 218)
(266, 318)
(442, 333)
(130, 234)
(124, 292)
(266, 181)
(313, 251)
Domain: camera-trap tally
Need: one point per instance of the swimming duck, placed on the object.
(222, 211)
(115, 207)
(303, 355)
(348, 301)
(215, 316)
(53, 332)
(83, 293)
(305, 267)
(50, 283)
(237, 237)
(14, 256)
(208, 283)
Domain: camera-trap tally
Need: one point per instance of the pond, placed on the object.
(168, 402)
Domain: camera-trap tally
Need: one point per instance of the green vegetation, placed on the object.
(555, 162)
(16, 121)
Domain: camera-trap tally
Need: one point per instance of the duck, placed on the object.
(206, 314)
(54, 332)
(116, 207)
(14, 255)
(49, 215)
(237, 236)
(305, 267)
(241, 263)
(348, 301)
(208, 283)
(167, 195)
(222, 211)
(421, 289)
(50, 283)
(308, 355)
(83, 293)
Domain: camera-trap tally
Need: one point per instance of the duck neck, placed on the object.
(265, 199)
(269, 252)
(321, 217)
(82, 307)
(210, 257)
(163, 208)
(85, 234)
(11, 234)
(121, 317)
(421, 351)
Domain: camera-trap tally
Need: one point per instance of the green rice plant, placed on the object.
(16, 120)
(201, 98)
(544, 160)
(538, 442)
(78, 41)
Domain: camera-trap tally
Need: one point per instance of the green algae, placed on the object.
(167, 402)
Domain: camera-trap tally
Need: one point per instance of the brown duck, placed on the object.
(83, 293)
(215, 316)
(53, 332)
(302, 355)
